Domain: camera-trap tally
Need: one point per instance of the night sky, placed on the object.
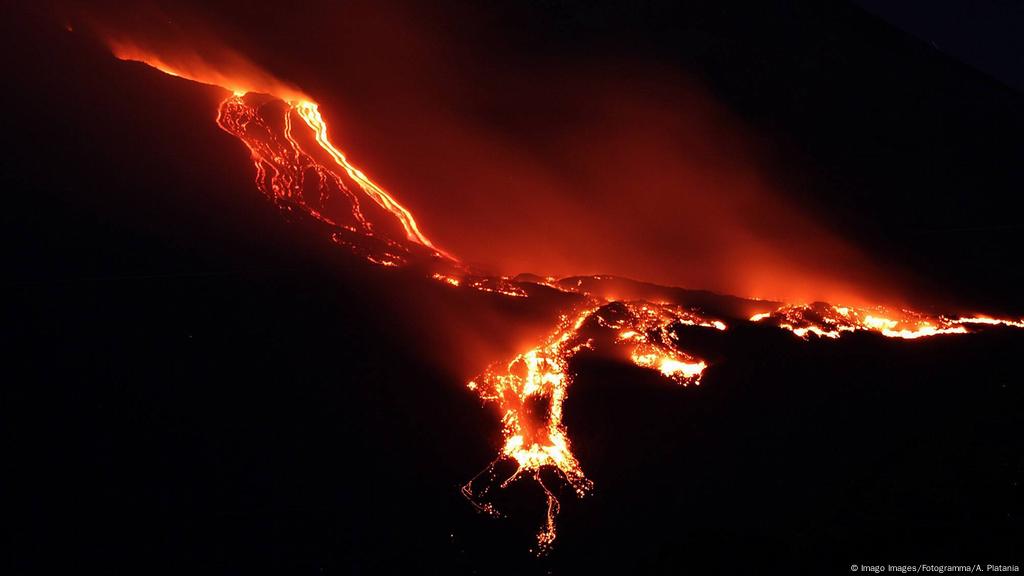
(985, 35)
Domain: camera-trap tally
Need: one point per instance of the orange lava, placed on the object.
(643, 333)
(542, 373)
(311, 115)
(830, 321)
(285, 171)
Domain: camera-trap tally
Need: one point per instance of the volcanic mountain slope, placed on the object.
(309, 178)
(272, 415)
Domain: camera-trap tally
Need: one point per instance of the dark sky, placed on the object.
(986, 34)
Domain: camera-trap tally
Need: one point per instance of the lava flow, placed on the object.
(296, 181)
(305, 174)
(829, 321)
(542, 373)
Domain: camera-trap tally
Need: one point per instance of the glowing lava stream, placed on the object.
(311, 114)
(829, 321)
(642, 328)
(640, 332)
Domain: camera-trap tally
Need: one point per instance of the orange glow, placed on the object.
(990, 321)
(235, 73)
(285, 162)
(673, 368)
(280, 158)
(830, 321)
(541, 373)
(641, 332)
(498, 285)
(451, 280)
(311, 114)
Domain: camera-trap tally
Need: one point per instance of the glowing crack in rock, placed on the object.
(305, 174)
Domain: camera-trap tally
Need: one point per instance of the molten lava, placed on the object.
(542, 373)
(829, 321)
(311, 114)
(286, 173)
(305, 174)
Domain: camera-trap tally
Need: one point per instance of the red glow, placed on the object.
(234, 72)
(707, 214)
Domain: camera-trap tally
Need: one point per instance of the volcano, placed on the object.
(245, 353)
(531, 388)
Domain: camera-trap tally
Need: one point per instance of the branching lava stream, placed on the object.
(305, 174)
